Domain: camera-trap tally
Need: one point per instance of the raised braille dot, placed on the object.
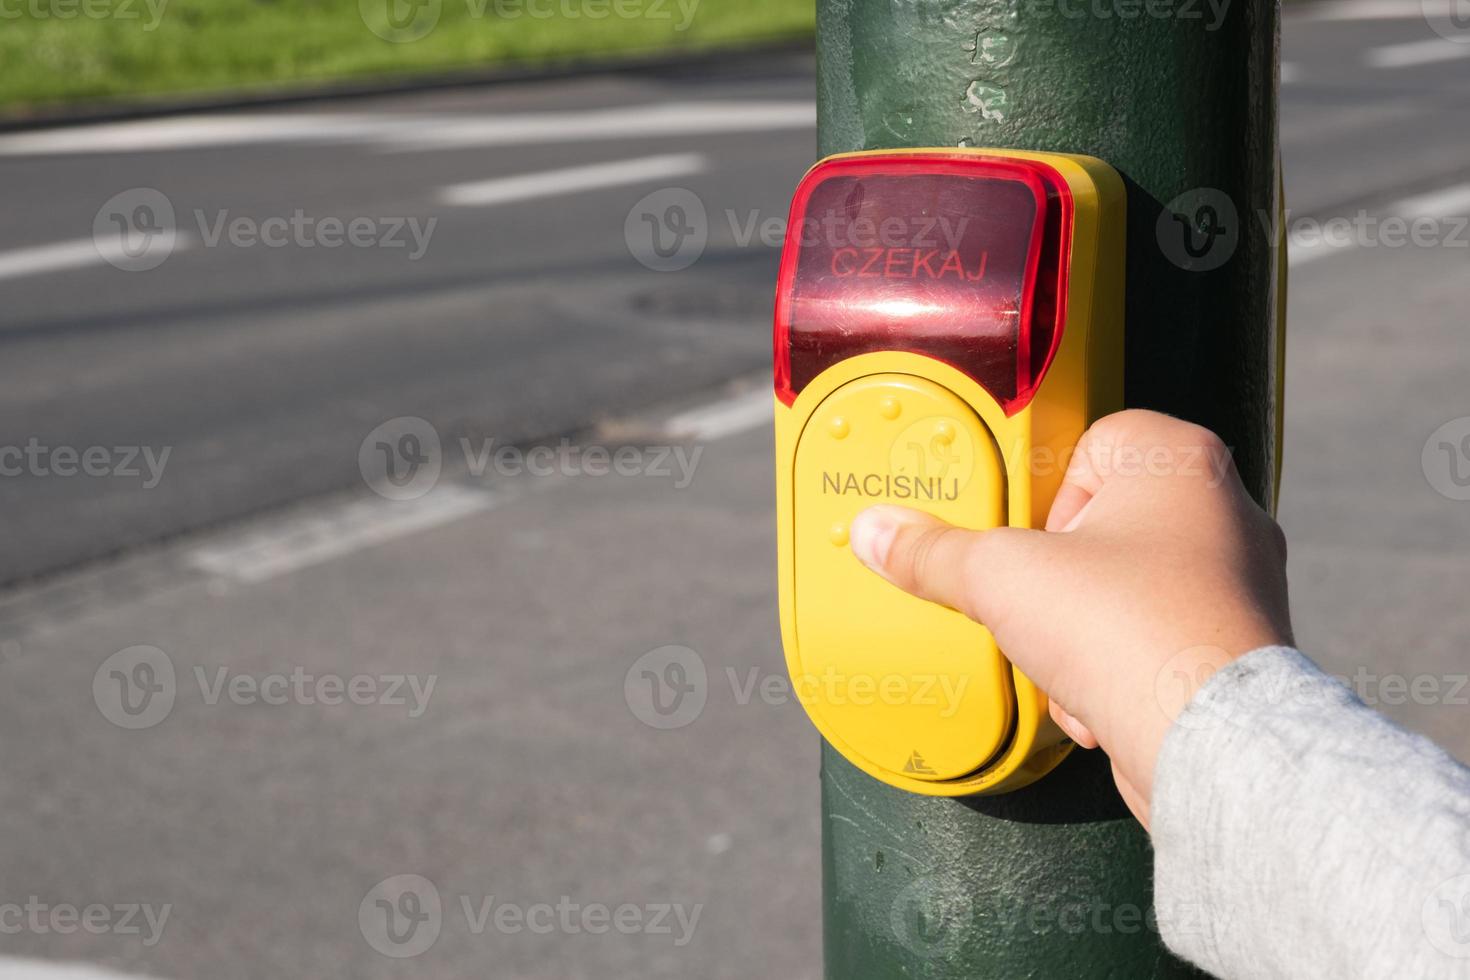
(889, 407)
(944, 431)
(838, 534)
(839, 427)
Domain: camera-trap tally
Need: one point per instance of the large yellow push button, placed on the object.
(912, 687)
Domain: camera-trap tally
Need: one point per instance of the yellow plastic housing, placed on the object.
(914, 694)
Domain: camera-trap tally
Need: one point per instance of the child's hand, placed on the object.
(1155, 569)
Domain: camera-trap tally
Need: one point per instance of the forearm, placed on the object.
(1300, 834)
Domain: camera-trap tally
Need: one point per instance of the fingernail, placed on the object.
(872, 536)
(1070, 723)
(1074, 728)
(1078, 517)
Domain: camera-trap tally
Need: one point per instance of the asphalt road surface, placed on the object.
(266, 722)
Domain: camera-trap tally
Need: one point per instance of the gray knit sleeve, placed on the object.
(1298, 833)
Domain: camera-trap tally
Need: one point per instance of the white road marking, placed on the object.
(410, 133)
(1446, 202)
(311, 540)
(1330, 10)
(278, 548)
(191, 132)
(1305, 253)
(76, 254)
(646, 121)
(12, 968)
(1416, 53)
(727, 417)
(549, 183)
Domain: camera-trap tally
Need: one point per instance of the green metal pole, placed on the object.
(1054, 881)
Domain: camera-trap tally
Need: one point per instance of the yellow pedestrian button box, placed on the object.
(948, 323)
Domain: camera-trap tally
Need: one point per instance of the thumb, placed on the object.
(965, 570)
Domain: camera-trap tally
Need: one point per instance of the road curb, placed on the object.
(729, 59)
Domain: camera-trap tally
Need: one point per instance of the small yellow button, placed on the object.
(944, 431)
(838, 427)
(889, 407)
(838, 534)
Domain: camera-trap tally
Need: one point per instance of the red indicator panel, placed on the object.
(958, 258)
